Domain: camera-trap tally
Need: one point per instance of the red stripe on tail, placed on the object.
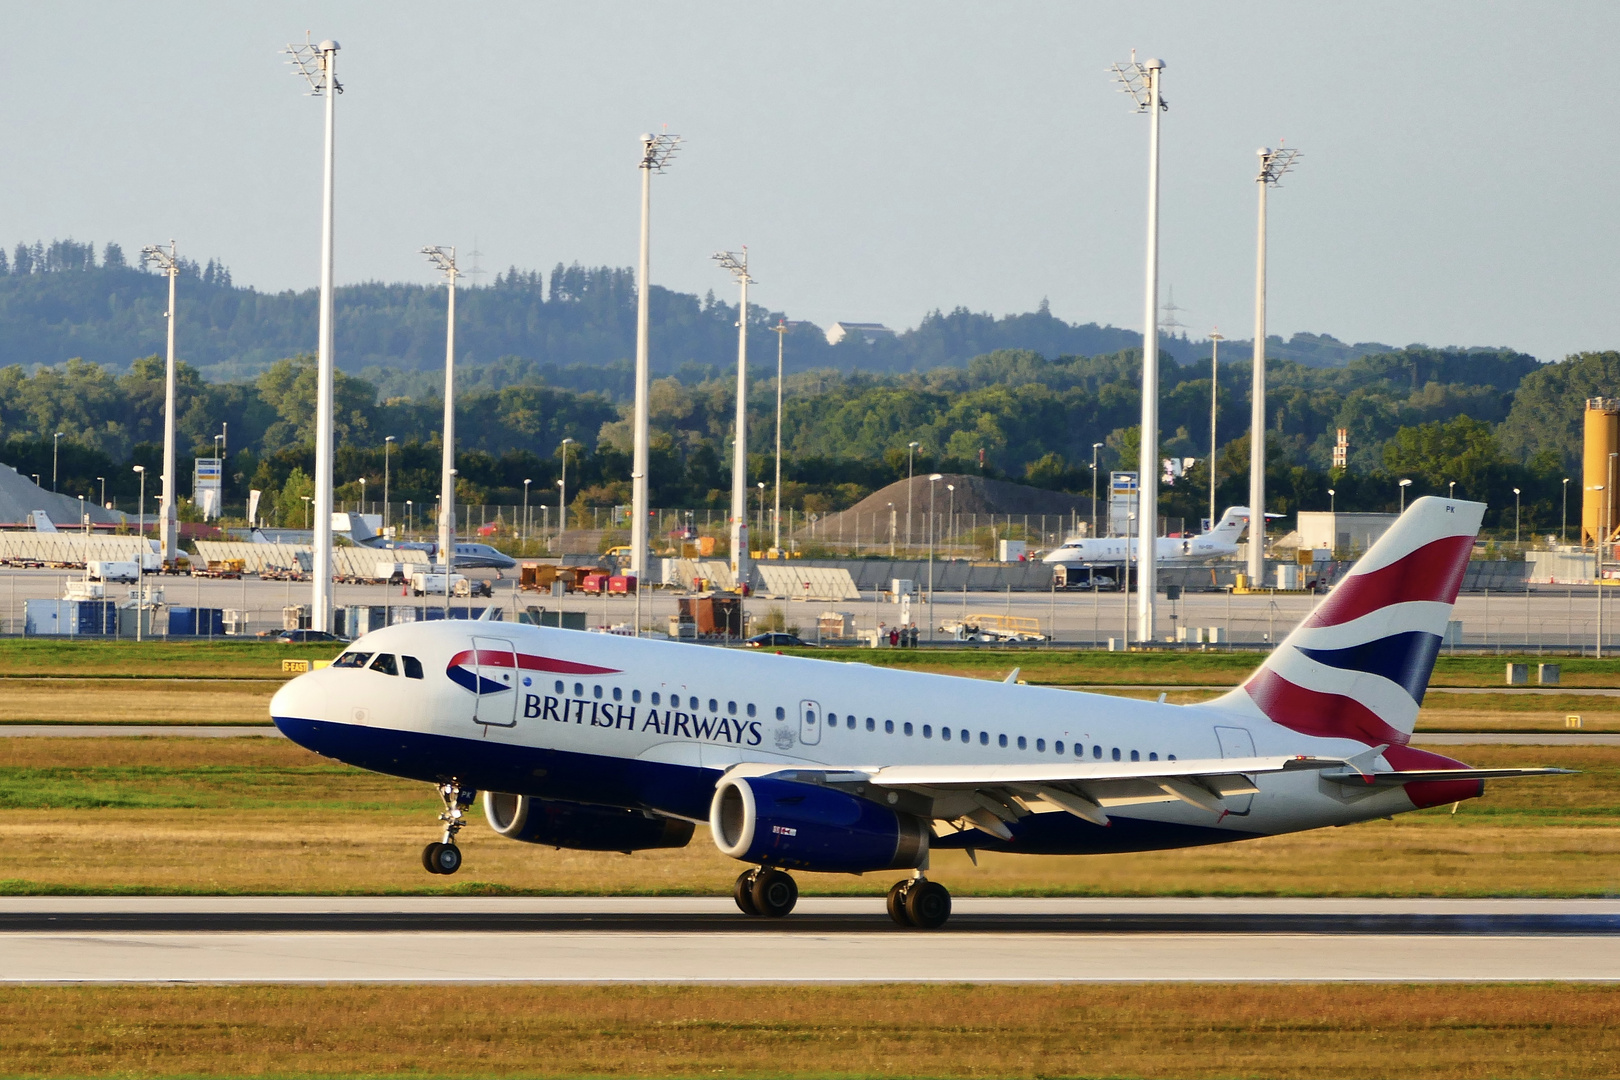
(1312, 712)
(1432, 572)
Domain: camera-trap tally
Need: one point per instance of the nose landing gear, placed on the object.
(443, 856)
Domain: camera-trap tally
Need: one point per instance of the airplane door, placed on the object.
(495, 665)
(810, 723)
(1236, 742)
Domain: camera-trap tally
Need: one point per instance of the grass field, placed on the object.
(880, 1031)
(264, 816)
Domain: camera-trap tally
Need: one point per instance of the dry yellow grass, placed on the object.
(880, 1031)
(148, 701)
(1550, 836)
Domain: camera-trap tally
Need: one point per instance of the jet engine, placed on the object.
(583, 828)
(794, 825)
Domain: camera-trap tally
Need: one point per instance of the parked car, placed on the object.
(777, 641)
(305, 637)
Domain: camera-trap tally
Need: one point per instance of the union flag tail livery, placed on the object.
(606, 743)
(1358, 666)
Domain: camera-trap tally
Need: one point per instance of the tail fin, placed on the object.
(42, 522)
(1232, 523)
(1358, 666)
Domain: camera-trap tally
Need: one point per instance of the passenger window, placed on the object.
(928, 731)
(579, 689)
(694, 703)
(908, 727)
(1057, 747)
(413, 667)
(1153, 756)
(597, 692)
(731, 707)
(385, 664)
(780, 713)
(1116, 753)
(888, 727)
(352, 659)
(944, 733)
(714, 706)
(1023, 744)
(871, 725)
(1096, 752)
(750, 708)
(1135, 756)
(832, 719)
(635, 696)
(984, 738)
(655, 697)
(618, 694)
(966, 737)
(559, 686)
(1040, 744)
(1170, 757)
(1002, 740)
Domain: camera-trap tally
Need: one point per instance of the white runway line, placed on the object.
(793, 958)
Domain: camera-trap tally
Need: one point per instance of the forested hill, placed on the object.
(573, 327)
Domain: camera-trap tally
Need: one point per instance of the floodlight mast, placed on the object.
(1273, 164)
(168, 262)
(737, 264)
(444, 258)
(1141, 81)
(318, 65)
(656, 153)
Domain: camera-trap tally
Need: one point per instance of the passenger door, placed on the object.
(495, 665)
(1236, 742)
(810, 723)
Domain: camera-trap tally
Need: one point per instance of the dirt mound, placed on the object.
(974, 496)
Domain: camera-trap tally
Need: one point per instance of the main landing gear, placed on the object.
(914, 902)
(443, 856)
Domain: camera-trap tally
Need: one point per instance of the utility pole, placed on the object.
(562, 502)
(1273, 164)
(318, 65)
(1141, 82)
(656, 153)
(776, 537)
(1094, 448)
(737, 264)
(168, 264)
(1215, 340)
(444, 258)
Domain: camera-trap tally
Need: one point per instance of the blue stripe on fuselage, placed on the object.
(1404, 659)
(680, 790)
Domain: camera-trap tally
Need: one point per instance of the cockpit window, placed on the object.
(385, 664)
(413, 667)
(352, 659)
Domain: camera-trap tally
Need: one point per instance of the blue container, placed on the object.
(196, 622)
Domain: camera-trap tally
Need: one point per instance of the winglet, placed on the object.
(1012, 676)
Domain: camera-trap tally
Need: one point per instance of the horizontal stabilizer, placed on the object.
(1410, 776)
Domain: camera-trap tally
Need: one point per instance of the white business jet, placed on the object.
(1220, 541)
(604, 743)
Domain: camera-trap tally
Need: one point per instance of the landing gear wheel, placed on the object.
(447, 859)
(897, 902)
(928, 905)
(743, 892)
(774, 893)
(430, 857)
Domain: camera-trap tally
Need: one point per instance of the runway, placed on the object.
(705, 940)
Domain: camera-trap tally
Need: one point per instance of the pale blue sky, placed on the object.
(1458, 186)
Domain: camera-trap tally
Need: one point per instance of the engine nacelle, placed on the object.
(583, 828)
(809, 827)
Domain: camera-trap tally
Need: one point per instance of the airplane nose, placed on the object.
(292, 701)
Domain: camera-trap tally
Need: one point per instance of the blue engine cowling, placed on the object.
(583, 828)
(809, 827)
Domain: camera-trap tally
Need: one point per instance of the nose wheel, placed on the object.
(920, 903)
(443, 856)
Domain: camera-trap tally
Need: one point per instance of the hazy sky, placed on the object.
(1458, 184)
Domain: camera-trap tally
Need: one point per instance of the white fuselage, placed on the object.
(653, 725)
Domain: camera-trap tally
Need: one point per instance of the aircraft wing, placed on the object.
(991, 797)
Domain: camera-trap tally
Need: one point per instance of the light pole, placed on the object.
(1332, 508)
(911, 451)
(1515, 517)
(762, 508)
(1094, 448)
(84, 517)
(306, 510)
(362, 495)
(56, 445)
(1563, 524)
(1141, 81)
(891, 530)
(318, 65)
(1403, 486)
(140, 560)
(562, 501)
(1597, 569)
(410, 517)
(1451, 489)
(950, 517)
(781, 335)
(444, 259)
(656, 153)
(168, 263)
(1215, 340)
(388, 442)
(932, 480)
(524, 540)
(103, 481)
(737, 264)
(1273, 164)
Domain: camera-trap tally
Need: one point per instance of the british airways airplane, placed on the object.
(604, 743)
